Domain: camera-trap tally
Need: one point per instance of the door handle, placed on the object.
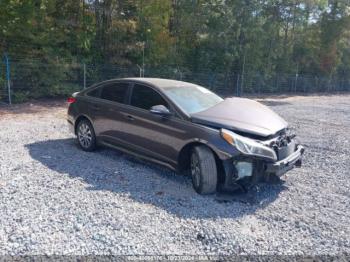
(129, 117)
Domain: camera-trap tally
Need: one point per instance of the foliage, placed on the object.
(269, 38)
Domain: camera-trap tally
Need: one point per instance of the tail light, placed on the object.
(71, 100)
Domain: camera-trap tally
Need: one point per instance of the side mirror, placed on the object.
(160, 110)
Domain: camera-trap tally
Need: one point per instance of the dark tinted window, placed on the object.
(115, 92)
(94, 93)
(145, 97)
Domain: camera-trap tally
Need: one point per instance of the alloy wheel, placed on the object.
(84, 135)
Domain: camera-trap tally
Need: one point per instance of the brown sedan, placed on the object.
(225, 143)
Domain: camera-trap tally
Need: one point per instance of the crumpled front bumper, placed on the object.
(262, 169)
(281, 167)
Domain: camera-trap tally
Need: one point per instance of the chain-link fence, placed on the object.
(3, 85)
(33, 79)
(5, 90)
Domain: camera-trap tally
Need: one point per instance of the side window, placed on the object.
(115, 92)
(95, 92)
(145, 97)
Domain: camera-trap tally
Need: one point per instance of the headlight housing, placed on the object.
(248, 146)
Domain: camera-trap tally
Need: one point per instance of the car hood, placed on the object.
(243, 115)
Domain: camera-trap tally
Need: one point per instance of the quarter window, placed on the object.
(145, 97)
(115, 92)
(94, 93)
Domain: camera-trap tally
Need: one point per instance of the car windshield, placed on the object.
(192, 98)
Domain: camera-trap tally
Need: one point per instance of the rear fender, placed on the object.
(79, 118)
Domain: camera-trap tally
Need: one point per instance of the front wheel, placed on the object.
(86, 135)
(203, 170)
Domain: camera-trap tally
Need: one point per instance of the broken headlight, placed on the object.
(248, 146)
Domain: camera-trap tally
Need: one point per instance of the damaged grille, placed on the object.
(285, 151)
(283, 145)
(283, 142)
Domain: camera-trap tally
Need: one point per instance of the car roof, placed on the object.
(158, 82)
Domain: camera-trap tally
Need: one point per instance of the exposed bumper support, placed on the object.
(281, 167)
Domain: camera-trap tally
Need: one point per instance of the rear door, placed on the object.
(108, 112)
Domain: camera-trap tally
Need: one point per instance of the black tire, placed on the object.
(203, 170)
(86, 135)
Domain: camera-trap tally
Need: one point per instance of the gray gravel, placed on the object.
(57, 199)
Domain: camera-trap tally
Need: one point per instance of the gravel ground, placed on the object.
(57, 199)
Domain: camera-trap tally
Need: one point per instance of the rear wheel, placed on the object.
(86, 135)
(203, 170)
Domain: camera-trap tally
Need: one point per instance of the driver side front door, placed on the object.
(155, 136)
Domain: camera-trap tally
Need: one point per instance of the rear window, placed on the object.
(115, 92)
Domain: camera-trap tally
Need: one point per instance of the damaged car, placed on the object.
(225, 143)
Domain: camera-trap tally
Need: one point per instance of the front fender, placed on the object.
(185, 152)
